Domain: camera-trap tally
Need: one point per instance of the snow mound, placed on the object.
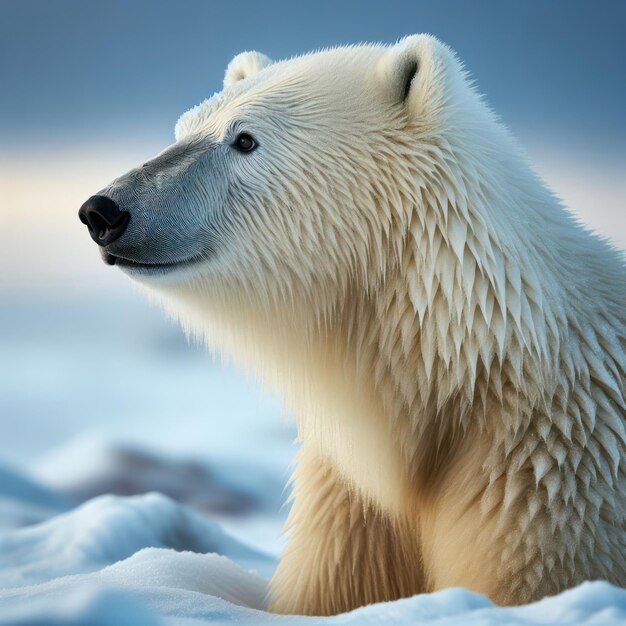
(23, 501)
(16, 486)
(161, 578)
(108, 529)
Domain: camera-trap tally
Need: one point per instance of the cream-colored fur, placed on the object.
(450, 341)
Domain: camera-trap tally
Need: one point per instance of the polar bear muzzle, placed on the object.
(163, 215)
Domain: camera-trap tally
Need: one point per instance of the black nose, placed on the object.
(103, 217)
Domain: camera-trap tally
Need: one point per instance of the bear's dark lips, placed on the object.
(126, 263)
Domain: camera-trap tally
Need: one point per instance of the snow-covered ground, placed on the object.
(142, 483)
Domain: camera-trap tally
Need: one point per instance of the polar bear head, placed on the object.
(298, 181)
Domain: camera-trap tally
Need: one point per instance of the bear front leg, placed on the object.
(342, 553)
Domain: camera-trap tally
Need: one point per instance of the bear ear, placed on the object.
(245, 65)
(409, 70)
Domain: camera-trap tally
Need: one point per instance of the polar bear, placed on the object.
(356, 227)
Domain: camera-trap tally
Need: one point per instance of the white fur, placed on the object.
(450, 340)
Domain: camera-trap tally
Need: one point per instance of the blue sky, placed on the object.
(75, 70)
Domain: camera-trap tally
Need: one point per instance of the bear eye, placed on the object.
(245, 142)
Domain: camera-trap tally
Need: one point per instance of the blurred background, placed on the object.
(98, 391)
